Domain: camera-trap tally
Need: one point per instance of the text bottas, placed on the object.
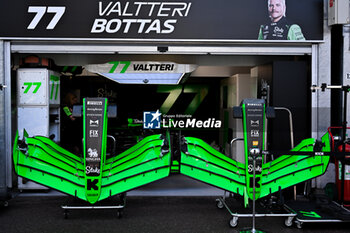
(192, 123)
(140, 16)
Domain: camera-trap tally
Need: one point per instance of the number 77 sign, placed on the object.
(40, 11)
(38, 87)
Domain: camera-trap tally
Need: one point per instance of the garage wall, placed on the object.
(321, 106)
(3, 186)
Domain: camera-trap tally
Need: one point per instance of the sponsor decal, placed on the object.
(92, 153)
(94, 102)
(257, 168)
(94, 123)
(278, 30)
(254, 104)
(93, 133)
(92, 184)
(90, 169)
(94, 109)
(254, 123)
(254, 133)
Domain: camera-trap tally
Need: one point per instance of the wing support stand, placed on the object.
(121, 203)
(221, 203)
(325, 210)
(253, 114)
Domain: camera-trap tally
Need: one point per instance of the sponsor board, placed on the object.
(153, 20)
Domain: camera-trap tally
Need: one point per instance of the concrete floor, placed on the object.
(142, 214)
(176, 204)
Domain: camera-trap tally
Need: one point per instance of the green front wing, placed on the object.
(204, 163)
(288, 170)
(201, 162)
(41, 160)
(141, 164)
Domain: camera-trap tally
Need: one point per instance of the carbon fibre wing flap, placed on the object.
(202, 162)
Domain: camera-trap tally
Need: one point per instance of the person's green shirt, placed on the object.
(281, 30)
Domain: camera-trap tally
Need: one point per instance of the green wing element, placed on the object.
(41, 160)
(147, 161)
(288, 170)
(201, 162)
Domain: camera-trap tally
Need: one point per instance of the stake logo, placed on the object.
(151, 120)
(90, 169)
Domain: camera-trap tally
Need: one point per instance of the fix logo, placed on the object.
(151, 120)
(94, 123)
(93, 133)
(254, 133)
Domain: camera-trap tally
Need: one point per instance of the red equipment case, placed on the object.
(337, 163)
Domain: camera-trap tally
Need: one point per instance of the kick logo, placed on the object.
(151, 120)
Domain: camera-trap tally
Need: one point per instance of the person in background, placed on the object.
(69, 100)
(71, 128)
(278, 27)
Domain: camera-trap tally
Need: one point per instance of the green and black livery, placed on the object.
(201, 162)
(43, 161)
(93, 177)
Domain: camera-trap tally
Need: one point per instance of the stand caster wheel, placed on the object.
(288, 222)
(6, 204)
(65, 214)
(219, 204)
(234, 222)
(119, 213)
(299, 224)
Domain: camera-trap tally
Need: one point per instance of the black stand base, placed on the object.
(117, 202)
(251, 231)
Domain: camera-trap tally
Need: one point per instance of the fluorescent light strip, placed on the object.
(145, 78)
